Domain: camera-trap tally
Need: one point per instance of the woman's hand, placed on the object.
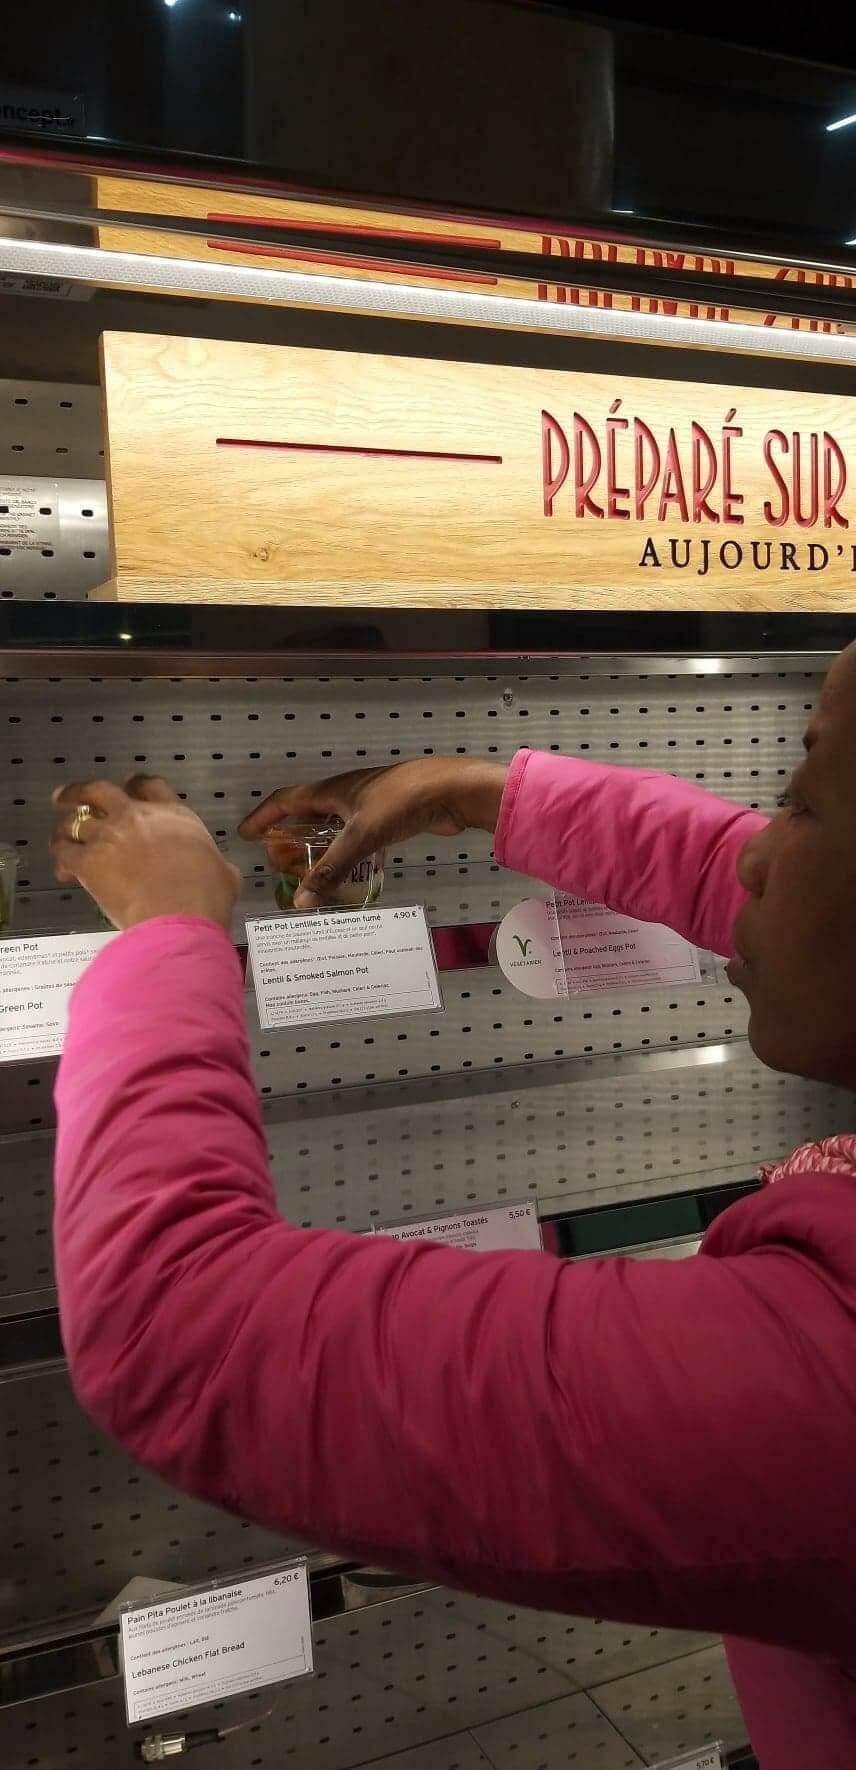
(141, 854)
(381, 806)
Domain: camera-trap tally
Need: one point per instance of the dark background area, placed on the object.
(504, 106)
(773, 29)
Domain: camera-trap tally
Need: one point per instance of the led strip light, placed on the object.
(183, 276)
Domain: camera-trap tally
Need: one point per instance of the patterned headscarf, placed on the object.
(833, 1155)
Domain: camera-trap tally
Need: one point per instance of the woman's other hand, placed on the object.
(380, 806)
(141, 853)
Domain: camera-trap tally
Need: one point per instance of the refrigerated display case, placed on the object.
(631, 1117)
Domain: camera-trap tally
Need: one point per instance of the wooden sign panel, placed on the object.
(310, 220)
(254, 473)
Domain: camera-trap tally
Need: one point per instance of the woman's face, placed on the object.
(796, 937)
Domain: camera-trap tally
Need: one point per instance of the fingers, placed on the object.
(69, 852)
(285, 802)
(69, 843)
(61, 872)
(318, 885)
(152, 789)
(69, 857)
(103, 796)
(340, 795)
(79, 830)
(335, 795)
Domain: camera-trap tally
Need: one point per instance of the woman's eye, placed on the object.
(787, 802)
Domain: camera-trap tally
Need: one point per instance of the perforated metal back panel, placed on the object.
(51, 428)
(80, 1519)
(571, 1146)
(51, 464)
(225, 744)
(440, 1681)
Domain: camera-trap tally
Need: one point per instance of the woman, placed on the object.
(671, 1443)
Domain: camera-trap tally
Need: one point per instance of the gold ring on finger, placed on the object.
(79, 819)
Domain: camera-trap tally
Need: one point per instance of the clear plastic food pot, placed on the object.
(297, 844)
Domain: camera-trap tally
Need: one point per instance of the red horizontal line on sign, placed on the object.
(302, 255)
(356, 227)
(250, 442)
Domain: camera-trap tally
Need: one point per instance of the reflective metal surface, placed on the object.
(565, 1072)
(398, 300)
(124, 652)
(693, 279)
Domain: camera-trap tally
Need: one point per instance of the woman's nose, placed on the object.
(752, 863)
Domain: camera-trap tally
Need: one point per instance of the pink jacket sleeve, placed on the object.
(532, 1428)
(643, 843)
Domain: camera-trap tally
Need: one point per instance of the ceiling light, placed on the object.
(843, 123)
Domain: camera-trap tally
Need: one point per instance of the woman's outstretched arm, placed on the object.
(632, 1439)
(641, 842)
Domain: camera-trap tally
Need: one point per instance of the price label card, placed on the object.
(568, 947)
(29, 513)
(43, 288)
(36, 980)
(709, 1758)
(213, 1642)
(342, 966)
(602, 950)
(483, 1231)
